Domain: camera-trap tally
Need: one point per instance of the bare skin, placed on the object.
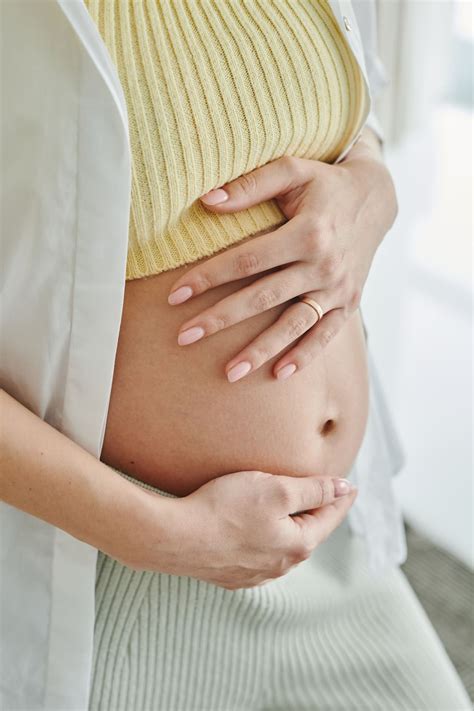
(235, 532)
(176, 422)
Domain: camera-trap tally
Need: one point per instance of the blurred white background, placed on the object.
(418, 299)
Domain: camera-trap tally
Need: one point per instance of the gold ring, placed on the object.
(314, 305)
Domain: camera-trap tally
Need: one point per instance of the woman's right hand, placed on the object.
(241, 529)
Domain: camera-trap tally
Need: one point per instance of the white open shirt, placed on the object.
(66, 188)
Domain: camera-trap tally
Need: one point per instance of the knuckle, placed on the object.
(328, 263)
(325, 241)
(246, 264)
(216, 323)
(248, 184)
(319, 491)
(325, 336)
(292, 165)
(297, 325)
(313, 223)
(262, 353)
(264, 299)
(318, 242)
(326, 490)
(203, 281)
(289, 161)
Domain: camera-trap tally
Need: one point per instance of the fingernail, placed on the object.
(286, 371)
(214, 197)
(342, 486)
(190, 335)
(180, 295)
(238, 371)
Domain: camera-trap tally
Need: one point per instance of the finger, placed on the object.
(302, 493)
(292, 324)
(312, 343)
(268, 181)
(263, 294)
(318, 525)
(267, 251)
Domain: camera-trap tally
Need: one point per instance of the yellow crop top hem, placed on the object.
(215, 89)
(200, 235)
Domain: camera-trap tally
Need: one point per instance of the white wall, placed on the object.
(418, 308)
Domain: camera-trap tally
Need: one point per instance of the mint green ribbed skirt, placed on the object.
(326, 636)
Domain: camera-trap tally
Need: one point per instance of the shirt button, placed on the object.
(347, 23)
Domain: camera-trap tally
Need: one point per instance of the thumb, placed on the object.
(317, 525)
(268, 181)
(305, 493)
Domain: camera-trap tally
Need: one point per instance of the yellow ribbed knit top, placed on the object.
(214, 89)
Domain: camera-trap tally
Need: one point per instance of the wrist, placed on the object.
(145, 529)
(372, 177)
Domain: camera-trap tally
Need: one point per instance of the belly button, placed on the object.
(328, 427)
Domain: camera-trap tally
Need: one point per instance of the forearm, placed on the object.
(44, 473)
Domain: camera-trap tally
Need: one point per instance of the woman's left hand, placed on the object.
(337, 216)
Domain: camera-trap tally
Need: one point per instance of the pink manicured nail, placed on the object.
(214, 197)
(180, 295)
(286, 371)
(342, 486)
(238, 371)
(190, 335)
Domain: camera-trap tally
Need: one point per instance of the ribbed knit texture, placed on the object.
(214, 89)
(327, 636)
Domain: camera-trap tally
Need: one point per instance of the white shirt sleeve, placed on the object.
(366, 14)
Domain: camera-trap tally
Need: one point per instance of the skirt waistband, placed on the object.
(144, 485)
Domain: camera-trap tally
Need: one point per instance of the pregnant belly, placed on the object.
(175, 422)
